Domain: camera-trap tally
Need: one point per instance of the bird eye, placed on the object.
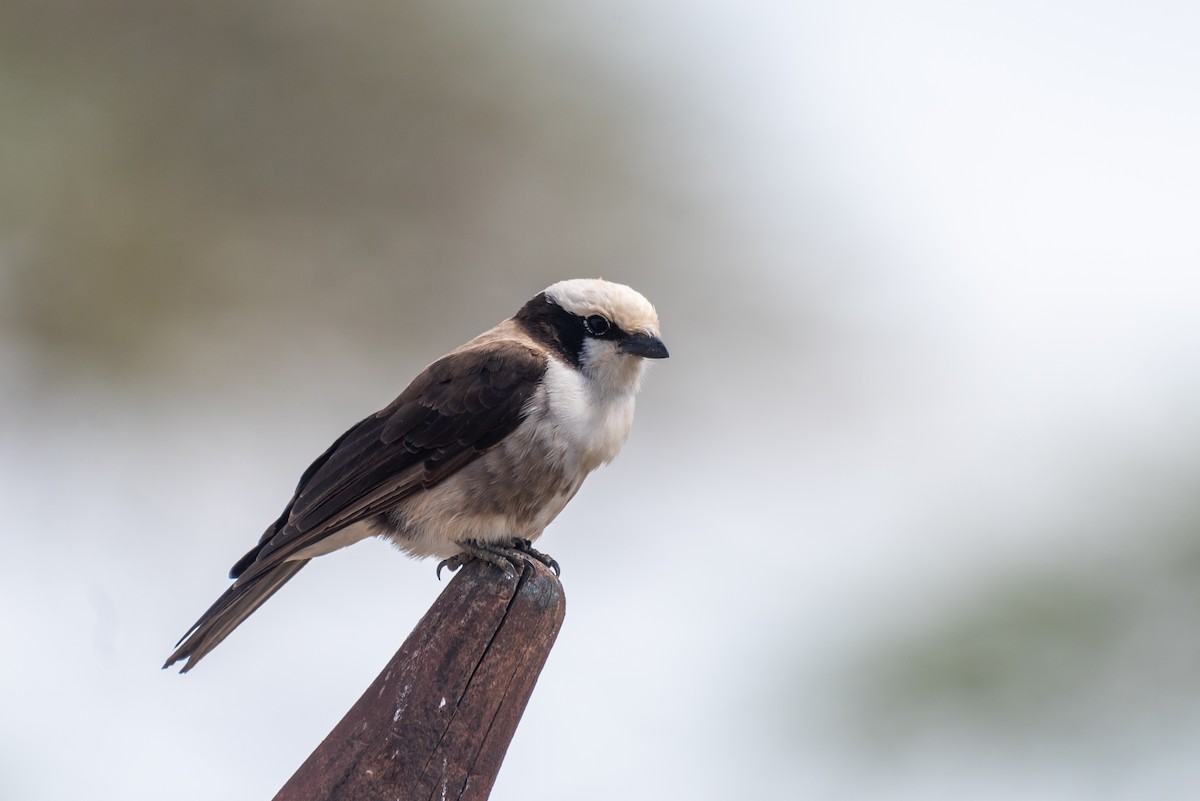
(596, 325)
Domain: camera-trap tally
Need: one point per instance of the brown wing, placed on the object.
(459, 407)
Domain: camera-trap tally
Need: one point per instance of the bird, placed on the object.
(474, 458)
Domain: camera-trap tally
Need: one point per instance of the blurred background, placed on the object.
(910, 513)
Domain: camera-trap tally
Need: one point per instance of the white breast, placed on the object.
(590, 422)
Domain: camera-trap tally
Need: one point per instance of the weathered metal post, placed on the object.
(438, 720)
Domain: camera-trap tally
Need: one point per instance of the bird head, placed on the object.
(608, 330)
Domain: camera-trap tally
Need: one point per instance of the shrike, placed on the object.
(474, 459)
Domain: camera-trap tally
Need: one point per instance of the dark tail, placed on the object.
(229, 611)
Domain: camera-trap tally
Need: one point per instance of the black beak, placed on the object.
(645, 345)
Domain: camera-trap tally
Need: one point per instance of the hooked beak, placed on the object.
(647, 346)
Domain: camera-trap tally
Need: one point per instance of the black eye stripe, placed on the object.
(565, 333)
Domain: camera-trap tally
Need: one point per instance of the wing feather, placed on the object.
(459, 407)
(455, 410)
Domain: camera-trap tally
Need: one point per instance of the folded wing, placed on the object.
(454, 411)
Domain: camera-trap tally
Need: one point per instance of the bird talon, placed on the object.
(510, 558)
(453, 563)
(526, 547)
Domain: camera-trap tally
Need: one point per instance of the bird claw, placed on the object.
(526, 547)
(509, 558)
(453, 563)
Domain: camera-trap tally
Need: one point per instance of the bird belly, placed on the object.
(514, 490)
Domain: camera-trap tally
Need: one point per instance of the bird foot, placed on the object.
(509, 558)
(526, 547)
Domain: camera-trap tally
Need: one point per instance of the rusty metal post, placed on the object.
(438, 720)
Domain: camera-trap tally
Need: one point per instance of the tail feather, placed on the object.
(238, 602)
